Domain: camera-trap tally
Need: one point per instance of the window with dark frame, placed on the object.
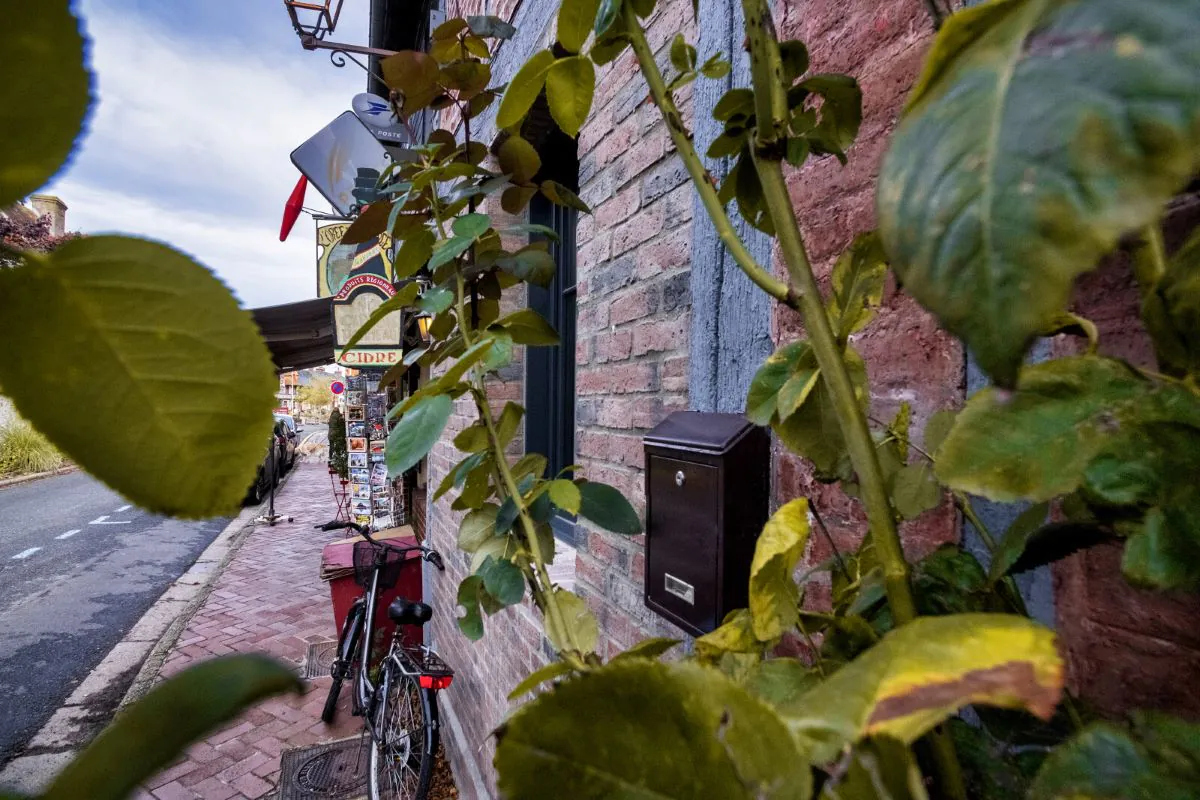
(550, 371)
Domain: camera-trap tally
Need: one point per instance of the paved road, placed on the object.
(78, 567)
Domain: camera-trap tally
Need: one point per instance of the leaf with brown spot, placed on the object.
(923, 673)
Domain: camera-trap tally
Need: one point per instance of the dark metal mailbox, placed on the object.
(707, 490)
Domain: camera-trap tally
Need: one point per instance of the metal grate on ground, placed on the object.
(319, 659)
(334, 771)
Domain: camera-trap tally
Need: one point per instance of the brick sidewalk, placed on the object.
(269, 599)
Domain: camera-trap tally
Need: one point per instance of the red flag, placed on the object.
(291, 209)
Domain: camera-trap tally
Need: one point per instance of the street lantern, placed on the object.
(313, 19)
(423, 322)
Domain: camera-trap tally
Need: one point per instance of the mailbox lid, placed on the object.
(699, 431)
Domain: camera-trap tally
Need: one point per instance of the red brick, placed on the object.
(644, 225)
(638, 301)
(630, 412)
(660, 335)
(613, 346)
(630, 378)
(618, 207)
(669, 252)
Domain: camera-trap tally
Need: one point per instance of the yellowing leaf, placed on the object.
(570, 84)
(414, 75)
(518, 159)
(735, 635)
(45, 94)
(523, 89)
(148, 342)
(774, 596)
(922, 673)
(580, 632)
(575, 20)
(565, 494)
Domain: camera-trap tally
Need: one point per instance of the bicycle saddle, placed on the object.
(406, 612)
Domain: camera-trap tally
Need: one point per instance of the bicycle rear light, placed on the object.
(436, 681)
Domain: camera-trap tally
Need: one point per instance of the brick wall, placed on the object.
(634, 316)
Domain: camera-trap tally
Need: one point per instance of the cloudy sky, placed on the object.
(200, 104)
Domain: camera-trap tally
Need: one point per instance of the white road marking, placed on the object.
(122, 508)
(103, 521)
(68, 534)
(27, 553)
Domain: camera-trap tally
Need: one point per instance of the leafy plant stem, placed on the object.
(548, 601)
(812, 508)
(703, 180)
(818, 661)
(771, 97)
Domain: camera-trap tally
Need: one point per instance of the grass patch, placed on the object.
(23, 450)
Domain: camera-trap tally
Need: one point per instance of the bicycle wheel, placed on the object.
(343, 665)
(403, 748)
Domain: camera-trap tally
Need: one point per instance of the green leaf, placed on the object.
(914, 490)
(148, 341)
(814, 431)
(605, 506)
(575, 21)
(566, 495)
(774, 596)
(579, 625)
(518, 159)
(1157, 756)
(1027, 523)
(686, 732)
(508, 422)
(1036, 442)
(792, 360)
(560, 195)
(471, 623)
(651, 649)
(503, 581)
(526, 326)
(795, 60)
(781, 680)
(471, 226)
(922, 673)
(370, 223)
(858, 279)
(570, 84)
(447, 250)
(531, 264)
(609, 12)
(555, 669)
(523, 89)
(46, 97)
(148, 735)
(530, 464)
(716, 67)
(417, 431)
(393, 305)
(643, 8)
(879, 769)
(683, 55)
(937, 428)
(414, 253)
(1028, 148)
(732, 103)
(435, 300)
(841, 114)
(477, 527)
(797, 151)
(413, 74)
(472, 439)
(491, 27)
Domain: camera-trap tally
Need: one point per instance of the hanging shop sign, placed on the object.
(353, 305)
(337, 262)
(338, 156)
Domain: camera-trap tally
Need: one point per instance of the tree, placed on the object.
(315, 396)
(18, 233)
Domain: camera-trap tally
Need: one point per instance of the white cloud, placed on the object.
(190, 143)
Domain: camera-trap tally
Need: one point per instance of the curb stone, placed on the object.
(37, 476)
(144, 649)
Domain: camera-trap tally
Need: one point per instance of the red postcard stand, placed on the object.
(337, 567)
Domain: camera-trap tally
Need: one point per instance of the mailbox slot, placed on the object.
(707, 483)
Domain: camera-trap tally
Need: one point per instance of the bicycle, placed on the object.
(400, 708)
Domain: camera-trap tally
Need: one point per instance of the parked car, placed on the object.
(285, 435)
(278, 457)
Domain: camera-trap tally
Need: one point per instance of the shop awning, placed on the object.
(300, 335)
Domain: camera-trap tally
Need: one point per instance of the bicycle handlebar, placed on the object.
(427, 553)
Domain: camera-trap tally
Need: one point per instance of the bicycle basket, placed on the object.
(364, 565)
